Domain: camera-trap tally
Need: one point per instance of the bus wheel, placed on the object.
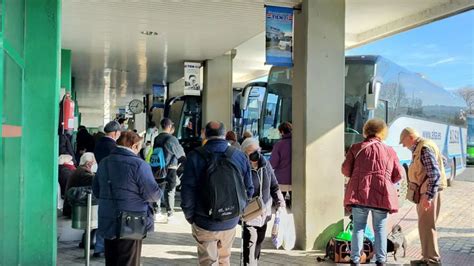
(453, 173)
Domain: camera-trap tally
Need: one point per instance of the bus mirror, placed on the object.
(372, 94)
(245, 98)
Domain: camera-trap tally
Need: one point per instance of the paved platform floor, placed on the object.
(172, 244)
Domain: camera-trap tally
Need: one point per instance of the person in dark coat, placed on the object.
(214, 238)
(99, 134)
(281, 158)
(107, 143)
(82, 177)
(84, 142)
(66, 170)
(266, 186)
(65, 146)
(124, 182)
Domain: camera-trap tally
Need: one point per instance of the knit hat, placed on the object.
(112, 126)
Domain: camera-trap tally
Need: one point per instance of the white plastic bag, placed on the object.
(289, 237)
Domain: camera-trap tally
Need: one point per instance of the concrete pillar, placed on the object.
(217, 92)
(318, 125)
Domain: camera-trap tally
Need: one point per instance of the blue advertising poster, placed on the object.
(158, 95)
(158, 90)
(279, 36)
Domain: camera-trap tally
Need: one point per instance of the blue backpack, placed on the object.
(158, 161)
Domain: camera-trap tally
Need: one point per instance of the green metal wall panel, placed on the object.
(12, 63)
(40, 122)
(66, 60)
(12, 94)
(29, 91)
(14, 25)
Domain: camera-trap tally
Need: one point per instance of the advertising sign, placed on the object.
(192, 79)
(279, 36)
(159, 95)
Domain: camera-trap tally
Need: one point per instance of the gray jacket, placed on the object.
(171, 147)
(264, 180)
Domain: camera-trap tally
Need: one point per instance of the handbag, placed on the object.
(255, 207)
(414, 191)
(130, 225)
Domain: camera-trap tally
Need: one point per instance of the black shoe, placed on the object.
(380, 263)
(98, 255)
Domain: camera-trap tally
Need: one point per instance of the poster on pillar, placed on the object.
(192, 78)
(279, 36)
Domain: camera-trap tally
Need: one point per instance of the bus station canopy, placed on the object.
(110, 37)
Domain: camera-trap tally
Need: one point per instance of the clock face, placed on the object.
(136, 106)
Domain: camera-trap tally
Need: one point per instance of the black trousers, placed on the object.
(253, 237)
(122, 252)
(170, 190)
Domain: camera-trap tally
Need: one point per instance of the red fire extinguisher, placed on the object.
(68, 113)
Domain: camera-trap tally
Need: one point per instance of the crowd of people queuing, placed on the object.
(120, 167)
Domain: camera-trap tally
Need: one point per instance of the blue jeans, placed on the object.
(379, 221)
(99, 243)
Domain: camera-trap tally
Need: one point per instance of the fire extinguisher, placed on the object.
(68, 113)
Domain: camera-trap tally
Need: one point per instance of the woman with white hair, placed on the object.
(266, 186)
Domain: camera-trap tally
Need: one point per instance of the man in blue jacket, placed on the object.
(214, 238)
(106, 144)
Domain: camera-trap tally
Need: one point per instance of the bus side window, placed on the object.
(382, 110)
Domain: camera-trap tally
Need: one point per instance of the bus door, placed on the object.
(251, 103)
(185, 112)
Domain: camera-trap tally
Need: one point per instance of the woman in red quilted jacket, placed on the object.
(373, 168)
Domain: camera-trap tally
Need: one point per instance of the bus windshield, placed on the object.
(277, 105)
(357, 75)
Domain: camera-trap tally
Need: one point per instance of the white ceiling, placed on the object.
(104, 36)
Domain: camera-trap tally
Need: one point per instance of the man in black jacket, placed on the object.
(107, 143)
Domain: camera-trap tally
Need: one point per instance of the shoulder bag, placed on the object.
(130, 225)
(414, 191)
(255, 207)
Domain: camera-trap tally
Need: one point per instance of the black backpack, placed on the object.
(223, 191)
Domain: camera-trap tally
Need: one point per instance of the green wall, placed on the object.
(29, 89)
(66, 79)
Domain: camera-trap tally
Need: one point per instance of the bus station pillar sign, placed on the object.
(279, 36)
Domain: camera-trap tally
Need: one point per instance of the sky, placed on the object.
(442, 51)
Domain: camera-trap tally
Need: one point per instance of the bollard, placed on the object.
(88, 229)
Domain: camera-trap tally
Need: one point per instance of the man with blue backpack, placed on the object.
(215, 186)
(165, 159)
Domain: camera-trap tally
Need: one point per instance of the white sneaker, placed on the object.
(160, 218)
(172, 219)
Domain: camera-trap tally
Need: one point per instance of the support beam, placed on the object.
(318, 125)
(418, 19)
(40, 141)
(217, 93)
